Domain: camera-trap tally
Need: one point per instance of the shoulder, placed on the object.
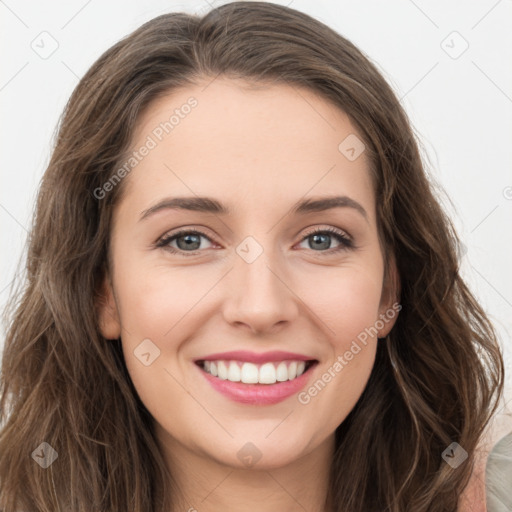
(499, 476)
(473, 497)
(489, 485)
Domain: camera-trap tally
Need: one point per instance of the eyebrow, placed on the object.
(210, 205)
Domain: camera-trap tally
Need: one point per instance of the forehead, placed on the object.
(236, 140)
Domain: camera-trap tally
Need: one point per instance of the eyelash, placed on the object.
(346, 243)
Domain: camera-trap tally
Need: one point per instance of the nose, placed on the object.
(260, 298)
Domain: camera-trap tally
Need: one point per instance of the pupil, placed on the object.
(188, 241)
(319, 236)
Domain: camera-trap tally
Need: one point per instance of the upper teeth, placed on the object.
(249, 373)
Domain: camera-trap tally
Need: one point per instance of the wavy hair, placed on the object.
(437, 378)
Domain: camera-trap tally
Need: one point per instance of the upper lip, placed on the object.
(254, 357)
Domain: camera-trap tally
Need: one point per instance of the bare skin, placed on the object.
(258, 152)
(473, 497)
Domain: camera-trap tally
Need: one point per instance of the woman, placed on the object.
(184, 343)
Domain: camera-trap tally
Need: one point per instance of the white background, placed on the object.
(460, 106)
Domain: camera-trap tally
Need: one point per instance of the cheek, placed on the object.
(155, 304)
(152, 301)
(162, 305)
(349, 311)
(346, 300)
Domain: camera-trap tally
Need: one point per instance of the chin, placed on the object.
(261, 454)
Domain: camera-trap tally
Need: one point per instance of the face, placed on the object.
(257, 284)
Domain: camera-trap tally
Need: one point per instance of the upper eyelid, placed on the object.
(183, 231)
(329, 230)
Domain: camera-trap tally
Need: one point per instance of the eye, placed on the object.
(320, 239)
(186, 240)
(189, 240)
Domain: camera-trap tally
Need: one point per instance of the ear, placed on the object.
(107, 311)
(390, 298)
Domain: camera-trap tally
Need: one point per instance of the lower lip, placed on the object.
(258, 394)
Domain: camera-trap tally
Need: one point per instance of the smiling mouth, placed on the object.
(251, 373)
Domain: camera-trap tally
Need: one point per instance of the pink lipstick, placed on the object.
(256, 378)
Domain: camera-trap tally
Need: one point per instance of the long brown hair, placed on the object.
(436, 379)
